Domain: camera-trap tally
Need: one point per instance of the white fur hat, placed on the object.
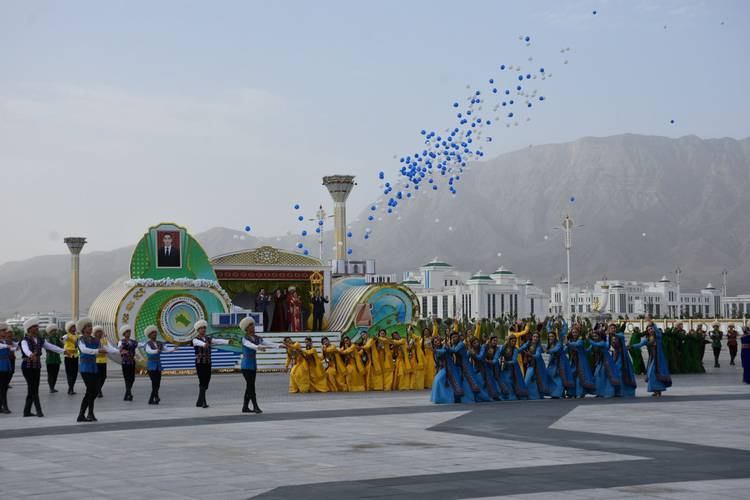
(150, 329)
(97, 328)
(123, 329)
(201, 323)
(69, 324)
(246, 322)
(51, 328)
(83, 323)
(29, 323)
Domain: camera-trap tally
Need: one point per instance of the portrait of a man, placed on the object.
(168, 249)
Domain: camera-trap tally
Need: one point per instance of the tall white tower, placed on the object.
(75, 245)
(339, 186)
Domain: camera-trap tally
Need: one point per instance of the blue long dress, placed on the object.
(511, 376)
(745, 357)
(487, 373)
(657, 371)
(605, 374)
(582, 372)
(624, 369)
(537, 379)
(446, 388)
(472, 385)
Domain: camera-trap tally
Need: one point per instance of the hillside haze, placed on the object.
(687, 195)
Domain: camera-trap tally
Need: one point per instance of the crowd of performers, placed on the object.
(86, 349)
(379, 363)
(577, 365)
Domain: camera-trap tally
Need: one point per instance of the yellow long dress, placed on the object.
(299, 375)
(355, 369)
(329, 353)
(429, 363)
(386, 360)
(373, 366)
(518, 336)
(318, 382)
(418, 364)
(401, 371)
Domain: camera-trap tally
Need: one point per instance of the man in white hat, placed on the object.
(89, 347)
(127, 347)
(251, 343)
(52, 359)
(202, 346)
(70, 346)
(153, 349)
(32, 347)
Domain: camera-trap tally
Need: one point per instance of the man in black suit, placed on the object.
(319, 309)
(169, 256)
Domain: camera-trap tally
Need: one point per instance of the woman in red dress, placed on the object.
(294, 304)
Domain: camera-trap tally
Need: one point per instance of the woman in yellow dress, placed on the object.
(383, 348)
(429, 358)
(318, 382)
(355, 369)
(417, 359)
(402, 367)
(299, 374)
(373, 365)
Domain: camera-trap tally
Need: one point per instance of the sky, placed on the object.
(115, 116)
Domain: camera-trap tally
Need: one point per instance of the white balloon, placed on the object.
(499, 254)
(437, 220)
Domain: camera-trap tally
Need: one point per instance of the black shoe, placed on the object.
(53, 390)
(157, 399)
(125, 398)
(39, 414)
(247, 410)
(6, 411)
(257, 410)
(198, 404)
(91, 418)
(71, 392)
(81, 418)
(100, 395)
(29, 414)
(205, 405)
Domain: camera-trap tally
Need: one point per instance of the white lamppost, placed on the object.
(320, 215)
(75, 245)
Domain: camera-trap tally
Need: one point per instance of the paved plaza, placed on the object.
(692, 443)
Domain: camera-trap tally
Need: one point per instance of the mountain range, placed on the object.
(643, 206)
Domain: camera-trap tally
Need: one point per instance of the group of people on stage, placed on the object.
(85, 349)
(285, 310)
(379, 363)
(472, 370)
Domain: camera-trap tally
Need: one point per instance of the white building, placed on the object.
(444, 292)
(736, 307)
(661, 298)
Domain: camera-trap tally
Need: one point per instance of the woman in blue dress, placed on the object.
(558, 366)
(623, 363)
(657, 370)
(579, 365)
(605, 375)
(485, 367)
(472, 385)
(510, 372)
(446, 386)
(537, 380)
(745, 354)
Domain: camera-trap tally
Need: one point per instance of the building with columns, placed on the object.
(662, 298)
(444, 292)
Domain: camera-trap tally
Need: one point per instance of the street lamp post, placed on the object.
(75, 245)
(724, 274)
(320, 215)
(677, 274)
(568, 227)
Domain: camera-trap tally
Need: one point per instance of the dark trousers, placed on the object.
(249, 388)
(32, 376)
(4, 382)
(91, 380)
(128, 373)
(717, 351)
(71, 372)
(732, 353)
(101, 373)
(52, 370)
(155, 377)
(203, 370)
(317, 325)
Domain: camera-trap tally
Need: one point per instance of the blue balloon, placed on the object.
(370, 217)
(317, 230)
(492, 80)
(507, 92)
(541, 70)
(671, 121)
(434, 188)
(304, 232)
(349, 251)
(247, 228)
(541, 97)
(367, 236)
(300, 218)
(572, 199)
(320, 222)
(510, 115)
(520, 77)
(594, 12)
(423, 132)
(300, 245)
(373, 208)
(296, 207)
(528, 38)
(502, 66)
(306, 251)
(455, 104)
(349, 234)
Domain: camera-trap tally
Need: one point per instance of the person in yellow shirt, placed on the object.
(417, 358)
(335, 374)
(429, 358)
(386, 359)
(296, 365)
(373, 365)
(318, 382)
(101, 358)
(355, 370)
(70, 348)
(402, 367)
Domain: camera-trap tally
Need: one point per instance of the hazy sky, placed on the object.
(118, 115)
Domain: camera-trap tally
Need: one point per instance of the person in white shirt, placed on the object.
(251, 343)
(31, 348)
(153, 349)
(202, 345)
(7, 347)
